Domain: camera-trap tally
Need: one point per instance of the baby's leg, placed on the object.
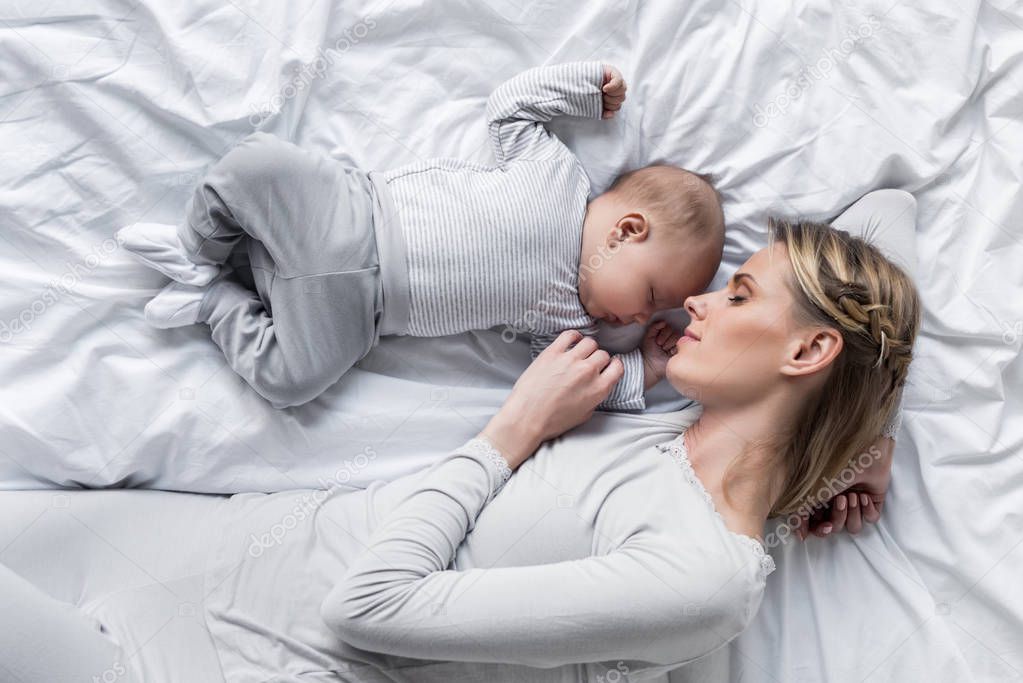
(321, 326)
(225, 203)
(299, 205)
(231, 201)
(318, 296)
(255, 189)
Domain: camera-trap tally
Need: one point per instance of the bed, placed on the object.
(109, 115)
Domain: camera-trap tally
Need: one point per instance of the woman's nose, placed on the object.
(695, 307)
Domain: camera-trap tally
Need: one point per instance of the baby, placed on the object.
(340, 256)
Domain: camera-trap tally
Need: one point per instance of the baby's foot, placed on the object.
(177, 305)
(158, 246)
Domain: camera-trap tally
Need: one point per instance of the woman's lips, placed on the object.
(688, 337)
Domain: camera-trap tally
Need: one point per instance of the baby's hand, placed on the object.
(658, 348)
(614, 91)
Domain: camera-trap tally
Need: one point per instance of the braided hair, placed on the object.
(846, 283)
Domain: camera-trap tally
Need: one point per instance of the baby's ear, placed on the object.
(632, 227)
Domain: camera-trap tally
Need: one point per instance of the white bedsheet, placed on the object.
(110, 111)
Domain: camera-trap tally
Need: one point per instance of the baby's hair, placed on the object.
(682, 200)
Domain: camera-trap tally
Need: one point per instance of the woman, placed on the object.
(623, 547)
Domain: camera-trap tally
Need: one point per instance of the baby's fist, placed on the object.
(614, 91)
(658, 348)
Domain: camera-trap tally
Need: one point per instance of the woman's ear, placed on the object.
(632, 227)
(812, 352)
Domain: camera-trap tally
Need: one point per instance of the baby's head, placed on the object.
(653, 239)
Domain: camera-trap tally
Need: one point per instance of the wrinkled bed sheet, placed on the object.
(110, 111)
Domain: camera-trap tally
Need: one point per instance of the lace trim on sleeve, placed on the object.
(482, 446)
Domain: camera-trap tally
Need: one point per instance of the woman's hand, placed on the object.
(614, 91)
(861, 502)
(558, 391)
(658, 348)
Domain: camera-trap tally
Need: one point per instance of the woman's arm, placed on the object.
(400, 598)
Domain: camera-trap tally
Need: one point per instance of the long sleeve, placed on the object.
(399, 597)
(887, 218)
(628, 393)
(517, 110)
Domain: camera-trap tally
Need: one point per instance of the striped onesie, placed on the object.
(499, 245)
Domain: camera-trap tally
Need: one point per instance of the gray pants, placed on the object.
(307, 225)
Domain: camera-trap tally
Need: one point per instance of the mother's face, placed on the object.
(744, 342)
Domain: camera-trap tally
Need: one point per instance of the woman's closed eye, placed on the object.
(739, 283)
(738, 298)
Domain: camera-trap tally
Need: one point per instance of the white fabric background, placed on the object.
(110, 111)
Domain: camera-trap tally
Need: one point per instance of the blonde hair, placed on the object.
(845, 283)
(683, 201)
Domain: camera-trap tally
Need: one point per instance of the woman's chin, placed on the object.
(675, 373)
(679, 376)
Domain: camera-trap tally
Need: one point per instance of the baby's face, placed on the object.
(624, 282)
(631, 284)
